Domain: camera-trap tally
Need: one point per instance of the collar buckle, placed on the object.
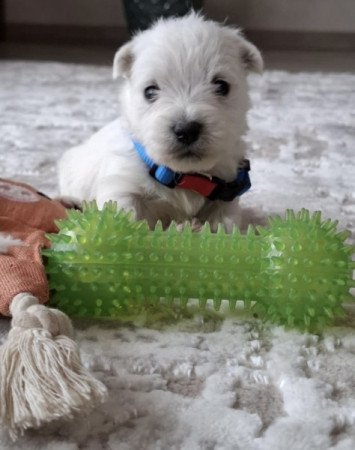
(228, 191)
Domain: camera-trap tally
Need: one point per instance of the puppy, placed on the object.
(175, 152)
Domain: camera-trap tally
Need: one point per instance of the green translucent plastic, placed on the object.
(297, 271)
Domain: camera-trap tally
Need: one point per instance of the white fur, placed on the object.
(7, 241)
(182, 56)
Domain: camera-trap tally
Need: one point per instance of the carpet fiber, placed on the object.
(205, 383)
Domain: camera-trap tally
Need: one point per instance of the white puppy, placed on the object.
(183, 105)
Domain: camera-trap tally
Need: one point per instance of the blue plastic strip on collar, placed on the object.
(162, 174)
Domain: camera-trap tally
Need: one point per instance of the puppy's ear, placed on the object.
(251, 57)
(122, 62)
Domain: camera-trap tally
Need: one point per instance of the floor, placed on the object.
(203, 383)
(293, 61)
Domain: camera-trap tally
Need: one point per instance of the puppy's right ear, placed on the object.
(122, 62)
(251, 57)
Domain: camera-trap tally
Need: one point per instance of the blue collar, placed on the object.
(212, 188)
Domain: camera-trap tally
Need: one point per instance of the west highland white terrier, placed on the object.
(176, 150)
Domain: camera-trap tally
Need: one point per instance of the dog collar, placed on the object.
(212, 188)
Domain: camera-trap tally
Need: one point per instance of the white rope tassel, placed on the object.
(41, 374)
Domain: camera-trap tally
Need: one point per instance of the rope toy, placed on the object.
(41, 375)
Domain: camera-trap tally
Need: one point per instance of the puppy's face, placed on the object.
(184, 92)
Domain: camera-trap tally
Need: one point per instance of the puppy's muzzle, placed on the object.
(187, 132)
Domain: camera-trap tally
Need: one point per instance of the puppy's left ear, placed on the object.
(248, 54)
(122, 62)
(251, 57)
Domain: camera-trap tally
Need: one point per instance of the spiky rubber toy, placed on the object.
(297, 271)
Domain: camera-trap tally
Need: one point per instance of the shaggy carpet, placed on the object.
(205, 384)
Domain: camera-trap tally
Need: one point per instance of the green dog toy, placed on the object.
(297, 271)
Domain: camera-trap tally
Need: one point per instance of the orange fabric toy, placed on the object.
(27, 215)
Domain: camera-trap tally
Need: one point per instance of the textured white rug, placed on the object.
(235, 384)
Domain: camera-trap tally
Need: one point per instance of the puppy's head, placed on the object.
(184, 91)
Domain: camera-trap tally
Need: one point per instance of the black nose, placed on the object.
(187, 132)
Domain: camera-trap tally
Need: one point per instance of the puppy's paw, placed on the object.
(195, 224)
(69, 202)
(225, 224)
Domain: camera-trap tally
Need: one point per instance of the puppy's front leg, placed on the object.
(143, 208)
(218, 212)
(125, 201)
(194, 223)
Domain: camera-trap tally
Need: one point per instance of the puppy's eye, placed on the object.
(151, 93)
(221, 87)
